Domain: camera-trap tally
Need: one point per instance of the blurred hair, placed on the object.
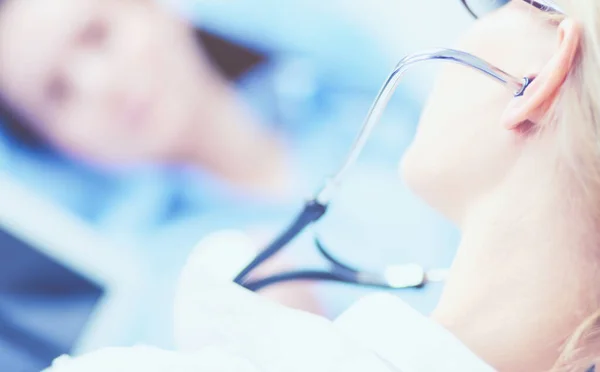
(576, 113)
(13, 125)
(16, 128)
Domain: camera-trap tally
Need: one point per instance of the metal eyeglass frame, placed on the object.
(541, 5)
(396, 276)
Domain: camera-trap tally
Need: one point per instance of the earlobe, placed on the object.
(541, 92)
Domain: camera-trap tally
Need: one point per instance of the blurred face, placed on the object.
(461, 151)
(107, 81)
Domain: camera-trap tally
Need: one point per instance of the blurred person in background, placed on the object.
(120, 85)
(124, 119)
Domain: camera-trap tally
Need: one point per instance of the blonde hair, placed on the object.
(577, 116)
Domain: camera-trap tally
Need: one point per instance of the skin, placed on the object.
(522, 279)
(118, 84)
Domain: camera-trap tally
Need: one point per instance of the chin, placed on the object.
(413, 171)
(424, 178)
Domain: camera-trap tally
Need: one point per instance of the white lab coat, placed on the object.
(223, 327)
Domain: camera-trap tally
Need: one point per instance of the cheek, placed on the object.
(77, 141)
(106, 146)
(167, 80)
(93, 142)
(460, 149)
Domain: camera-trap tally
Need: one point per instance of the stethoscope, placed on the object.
(394, 276)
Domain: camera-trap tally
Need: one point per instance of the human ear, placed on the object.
(530, 107)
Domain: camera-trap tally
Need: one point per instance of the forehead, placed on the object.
(35, 33)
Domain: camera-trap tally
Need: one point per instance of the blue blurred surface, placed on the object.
(325, 71)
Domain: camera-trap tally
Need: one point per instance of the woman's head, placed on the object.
(110, 81)
(478, 147)
(484, 135)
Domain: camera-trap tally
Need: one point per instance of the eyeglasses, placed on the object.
(479, 8)
(393, 276)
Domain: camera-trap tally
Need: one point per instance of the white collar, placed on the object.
(405, 338)
(381, 323)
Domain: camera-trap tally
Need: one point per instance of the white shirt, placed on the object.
(223, 327)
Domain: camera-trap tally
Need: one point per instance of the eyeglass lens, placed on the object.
(480, 8)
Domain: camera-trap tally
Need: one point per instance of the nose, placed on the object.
(91, 77)
(107, 87)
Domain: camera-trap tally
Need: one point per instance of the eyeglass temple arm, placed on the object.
(518, 85)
